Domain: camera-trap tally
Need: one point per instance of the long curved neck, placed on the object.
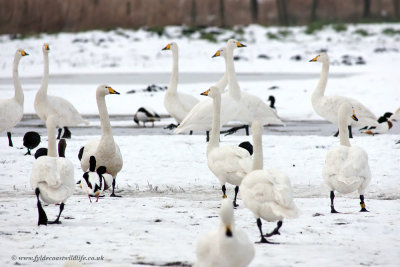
(323, 80)
(216, 127)
(343, 130)
(19, 94)
(258, 151)
(234, 89)
(104, 118)
(223, 82)
(51, 132)
(173, 82)
(45, 79)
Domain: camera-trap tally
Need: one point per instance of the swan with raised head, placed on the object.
(12, 109)
(52, 177)
(46, 105)
(176, 103)
(268, 193)
(328, 106)
(229, 163)
(225, 246)
(346, 167)
(105, 150)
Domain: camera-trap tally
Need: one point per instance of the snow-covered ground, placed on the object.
(169, 196)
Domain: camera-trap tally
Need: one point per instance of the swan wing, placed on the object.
(188, 101)
(66, 112)
(11, 113)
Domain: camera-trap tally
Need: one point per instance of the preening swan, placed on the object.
(328, 106)
(226, 246)
(177, 104)
(94, 182)
(346, 167)
(46, 105)
(229, 163)
(52, 177)
(12, 109)
(145, 115)
(105, 150)
(267, 193)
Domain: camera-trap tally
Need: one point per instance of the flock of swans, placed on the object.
(267, 193)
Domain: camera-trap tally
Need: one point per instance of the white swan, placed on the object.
(267, 193)
(52, 177)
(94, 182)
(177, 104)
(225, 246)
(145, 114)
(328, 106)
(46, 105)
(346, 167)
(229, 163)
(12, 109)
(105, 150)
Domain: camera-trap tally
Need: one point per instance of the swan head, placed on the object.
(106, 90)
(220, 53)
(46, 48)
(256, 128)
(322, 57)
(212, 92)
(234, 44)
(171, 46)
(346, 110)
(21, 53)
(226, 214)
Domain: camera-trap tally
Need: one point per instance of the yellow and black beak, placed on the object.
(354, 117)
(23, 53)
(217, 54)
(206, 92)
(314, 59)
(112, 91)
(228, 231)
(168, 47)
(47, 47)
(239, 44)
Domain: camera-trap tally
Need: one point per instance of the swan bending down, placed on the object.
(225, 246)
(105, 150)
(52, 177)
(229, 163)
(177, 104)
(12, 109)
(328, 106)
(267, 193)
(346, 167)
(46, 105)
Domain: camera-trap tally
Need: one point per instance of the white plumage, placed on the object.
(105, 150)
(12, 109)
(176, 103)
(52, 177)
(225, 246)
(346, 167)
(267, 193)
(229, 163)
(328, 106)
(46, 105)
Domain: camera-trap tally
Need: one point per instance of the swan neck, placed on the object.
(19, 94)
(216, 127)
(51, 132)
(258, 151)
(343, 130)
(323, 80)
(173, 82)
(45, 79)
(104, 117)
(234, 89)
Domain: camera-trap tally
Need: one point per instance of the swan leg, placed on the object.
(10, 143)
(67, 133)
(350, 132)
(59, 133)
(276, 230)
(42, 214)
(332, 206)
(247, 129)
(191, 132)
(224, 191)
(113, 187)
(263, 239)
(57, 221)
(234, 200)
(336, 134)
(208, 136)
(362, 204)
